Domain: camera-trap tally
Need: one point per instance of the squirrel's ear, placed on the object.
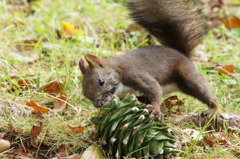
(82, 66)
(93, 60)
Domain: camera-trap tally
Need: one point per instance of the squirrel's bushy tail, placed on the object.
(175, 23)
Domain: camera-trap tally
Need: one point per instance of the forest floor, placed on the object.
(43, 113)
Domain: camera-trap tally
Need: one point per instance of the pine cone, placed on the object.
(127, 129)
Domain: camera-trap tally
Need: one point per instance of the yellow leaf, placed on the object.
(70, 28)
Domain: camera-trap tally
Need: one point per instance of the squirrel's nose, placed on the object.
(99, 104)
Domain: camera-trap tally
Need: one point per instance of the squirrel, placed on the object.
(153, 71)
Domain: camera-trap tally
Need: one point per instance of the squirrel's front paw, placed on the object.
(155, 110)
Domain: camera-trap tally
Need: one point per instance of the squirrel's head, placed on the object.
(99, 80)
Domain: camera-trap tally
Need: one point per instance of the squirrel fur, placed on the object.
(153, 71)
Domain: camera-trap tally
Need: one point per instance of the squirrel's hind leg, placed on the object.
(192, 83)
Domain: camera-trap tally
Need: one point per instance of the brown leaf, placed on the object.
(17, 23)
(61, 148)
(168, 104)
(36, 129)
(11, 127)
(53, 88)
(227, 69)
(60, 103)
(218, 138)
(210, 140)
(22, 85)
(74, 129)
(58, 34)
(62, 151)
(4, 145)
(224, 141)
(230, 23)
(36, 107)
(26, 45)
(21, 153)
(172, 101)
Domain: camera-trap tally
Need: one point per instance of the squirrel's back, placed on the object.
(175, 23)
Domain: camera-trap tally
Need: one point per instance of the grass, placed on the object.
(105, 32)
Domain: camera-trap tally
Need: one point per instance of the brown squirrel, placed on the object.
(153, 71)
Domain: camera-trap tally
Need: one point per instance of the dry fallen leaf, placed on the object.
(26, 45)
(60, 103)
(62, 151)
(18, 23)
(53, 88)
(22, 85)
(230, 23)
(218, 138)
(224, 141)
(70, 28)
(74, 129)
(36, 107)
(21, 153)
(172, 101)
(36, 129)
(4, 145)
(210, 140)
(226, 69)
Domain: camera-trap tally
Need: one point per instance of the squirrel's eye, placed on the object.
(101, 81)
